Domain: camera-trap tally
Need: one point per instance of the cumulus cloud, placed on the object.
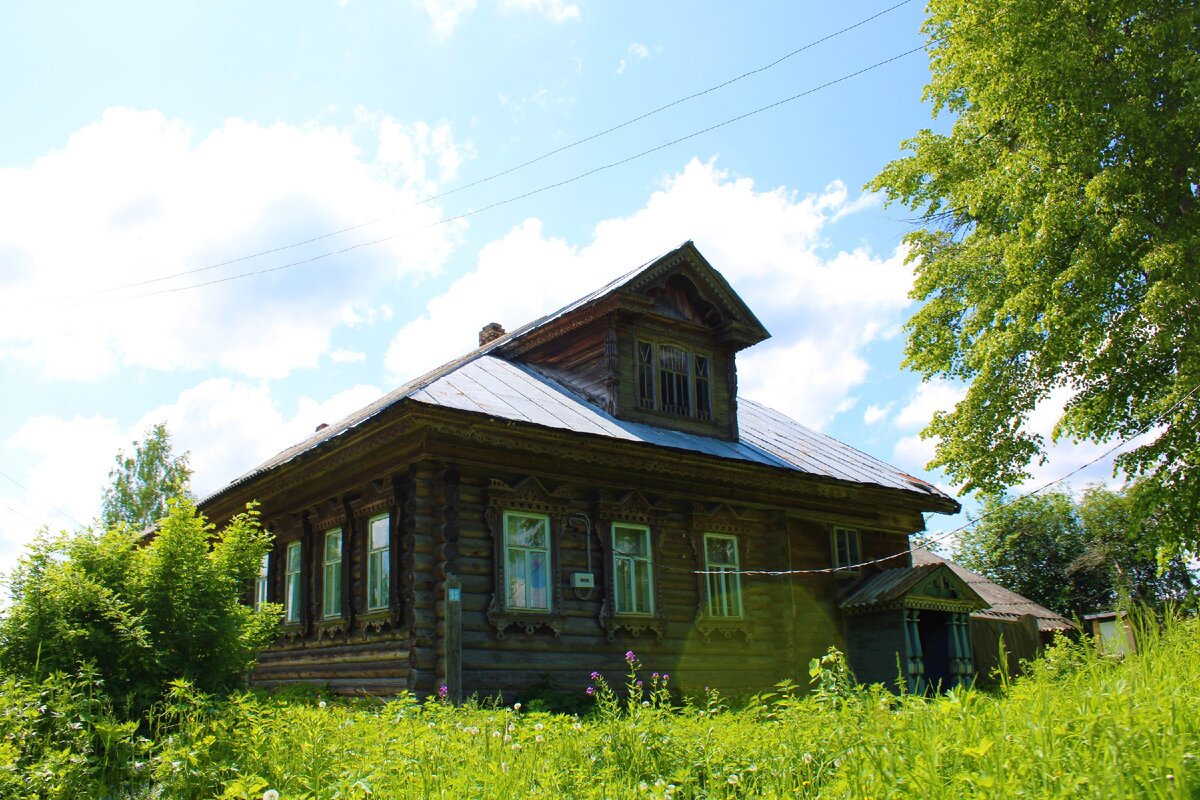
(875, 413)
(553, 10)
(638, 51)
(822, 308)
(146, 197)
(446, 15)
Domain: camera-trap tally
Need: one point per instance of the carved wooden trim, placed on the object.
(722, 519)
(377, 498)
(632, 508)
(528, 496)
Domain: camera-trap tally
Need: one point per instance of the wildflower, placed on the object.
(538, 726)
(270, 794)
(538, 738)
(807, 758)
(630, 656)
(654, 676)
(591, 690)
(516, 746)
(733, 779)
(321, 704)
(443, 692)
(638, 684)
(666, 677)
(595, 675)
(645, 704)
(516, 706)
(577, 726)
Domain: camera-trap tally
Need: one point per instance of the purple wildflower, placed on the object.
(591, 690)
(654, 676)
(595, 676)
(638, 684)
(666, 677)
(630, 656)
(443, 691)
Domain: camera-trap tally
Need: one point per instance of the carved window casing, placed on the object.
(375, 522)
(630, 529)
(331, 575)
(525, 522)
(293, 583)
(327, 521)
(720, 539)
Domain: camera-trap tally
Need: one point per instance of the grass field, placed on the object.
(1079, 725)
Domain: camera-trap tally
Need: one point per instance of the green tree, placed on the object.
(141, 484)
(143, 613)
(1060, 240)
(1075, 557)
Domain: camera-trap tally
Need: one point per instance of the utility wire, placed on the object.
(35, 499)
(495, 175)
(532, 192)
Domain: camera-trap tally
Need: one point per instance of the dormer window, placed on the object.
(684, 380)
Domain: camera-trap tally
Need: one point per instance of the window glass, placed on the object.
(527, 560)
(673, 379)
(378, 563)
(291, 584)
(260, 583)
(703, 389)
(724, 581)
(332, 605)
(632, 587)
(645, 374)
(846, 550)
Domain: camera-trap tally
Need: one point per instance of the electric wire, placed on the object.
(38, 500)
(493, 176)
(532, 192)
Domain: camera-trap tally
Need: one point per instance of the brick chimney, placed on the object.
(490, 333)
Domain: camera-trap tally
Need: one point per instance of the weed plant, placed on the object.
(1078, 724)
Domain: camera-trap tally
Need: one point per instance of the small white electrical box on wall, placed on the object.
(583, 580)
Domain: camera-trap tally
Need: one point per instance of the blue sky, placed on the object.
(147, 146)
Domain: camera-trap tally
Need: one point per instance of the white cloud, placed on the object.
(347, 357)
(875, 413)
(636, 50)
(144, 198)
(821, 308)
(444, 15)
(553, 10)
(930, 396)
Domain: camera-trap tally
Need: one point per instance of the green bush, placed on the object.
(140, 613)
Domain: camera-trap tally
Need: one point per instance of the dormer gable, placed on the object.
(657, 345)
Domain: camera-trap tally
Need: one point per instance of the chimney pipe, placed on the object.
(490, 333)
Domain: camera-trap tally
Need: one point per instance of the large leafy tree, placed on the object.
(1076, 556)
(141, 612)
(142, 483)
(1059, 250)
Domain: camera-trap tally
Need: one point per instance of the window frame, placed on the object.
(332, 568)
(699, 399)
(509, 549)
(374, 582)
(714, 570)
(647, 561)
(851, 535)
(293, 583)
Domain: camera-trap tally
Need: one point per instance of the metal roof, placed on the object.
(1002, 603)
(483, 383)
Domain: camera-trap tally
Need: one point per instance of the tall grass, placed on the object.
(1078, 725)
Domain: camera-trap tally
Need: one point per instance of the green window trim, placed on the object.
(292, 586)
(527, 565)
(723, 577)
(331, 602)
(379, 582)
(632, 570)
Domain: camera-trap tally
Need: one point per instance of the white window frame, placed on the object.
(293, 589)
(262, 582)
(853, 541)
(625, 598)
(379, 567)
(723, 581)
(331, 583)
(511, 551)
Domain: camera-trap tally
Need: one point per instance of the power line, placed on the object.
(38, 500)
(532, 192)
(494, 176)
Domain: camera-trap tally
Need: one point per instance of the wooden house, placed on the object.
(589, 484)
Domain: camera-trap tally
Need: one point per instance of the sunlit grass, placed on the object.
(1079, 725)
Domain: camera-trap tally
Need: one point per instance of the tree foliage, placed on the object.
(1076, 557)
(141, 613)
(141, 484)
(1060, 247)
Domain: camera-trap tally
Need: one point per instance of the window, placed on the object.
(845, 549)
(703, 388)
(331, 606)
(379, 574)
(527, 560)
(645, 374)
(260, 583)
(631, 569)
(291, 584)
(723, 579)
(674, 380)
